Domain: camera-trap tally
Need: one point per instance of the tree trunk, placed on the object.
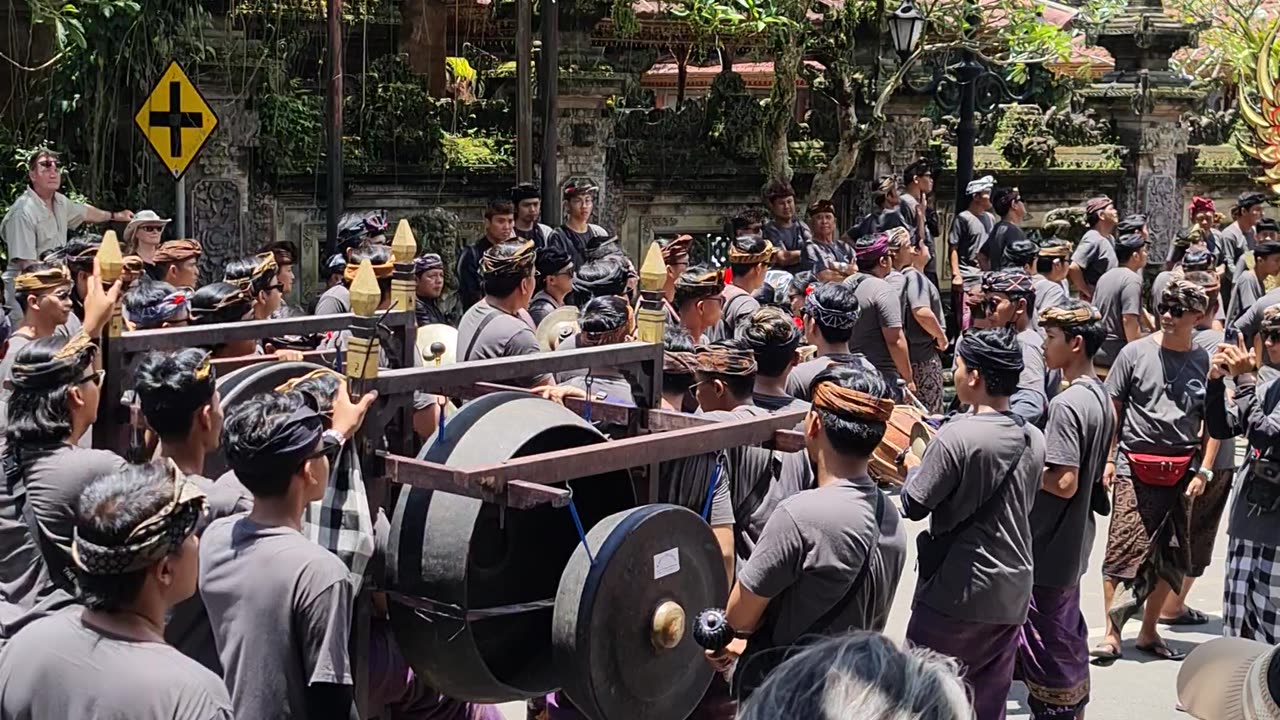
(780, 111)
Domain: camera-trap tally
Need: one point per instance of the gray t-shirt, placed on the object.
(334, 301)
(281, 607)
(987, 574)
(779, 403)
(187, 627)
(605, 386)
(1163, 393)
(61, 668)
(739, 306)
(1095, 255)
(1030, 400)
(16, 344)
(881, 309)
(505, 335)
(802, 375)
(1117, 293)
(918, 292)
(1250, 321)
(1208, 340)
(793, 237)
(1078, 434)
(1233, 243)
(909, 208)
(814, 547)
(1049, 294)
(968, 235)
(1245, 291)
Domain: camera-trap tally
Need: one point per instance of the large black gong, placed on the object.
(622, 632)
(460, 555)
(243, 383)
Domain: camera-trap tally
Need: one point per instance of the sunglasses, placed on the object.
(151, 228)
(95, 377)
(329, 451)
(1173, 310)
(1272, 337)
(61, 294)
(48, 164)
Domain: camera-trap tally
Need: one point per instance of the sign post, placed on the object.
(177, 122)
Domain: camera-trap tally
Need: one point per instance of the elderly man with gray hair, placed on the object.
(39, 219)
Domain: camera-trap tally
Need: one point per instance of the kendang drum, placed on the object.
(907, 431)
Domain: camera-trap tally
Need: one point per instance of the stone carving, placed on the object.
(901, 141)
(1163, 208)
(1164, 142)
(216, 223)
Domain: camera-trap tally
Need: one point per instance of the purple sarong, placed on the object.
(986, 653)
(393, 686)
(1053, 653)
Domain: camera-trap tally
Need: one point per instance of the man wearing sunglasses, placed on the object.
(39, 219)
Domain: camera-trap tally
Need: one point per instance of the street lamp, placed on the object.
(961, 83)
(906, 27)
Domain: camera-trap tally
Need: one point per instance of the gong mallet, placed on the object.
(915, 401)
(711, 630)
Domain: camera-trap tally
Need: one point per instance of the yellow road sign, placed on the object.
(176, 120)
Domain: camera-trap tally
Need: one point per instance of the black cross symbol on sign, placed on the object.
(175, 119)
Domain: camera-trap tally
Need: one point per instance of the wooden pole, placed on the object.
(333, 125)
(524, 92)
(549, 76)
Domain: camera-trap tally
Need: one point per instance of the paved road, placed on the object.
(1135, 687)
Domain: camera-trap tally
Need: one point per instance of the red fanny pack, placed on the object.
(1159, 470)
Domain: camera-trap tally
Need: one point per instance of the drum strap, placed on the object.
(484, 322)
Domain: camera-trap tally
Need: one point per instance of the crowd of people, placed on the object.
(1077, 395)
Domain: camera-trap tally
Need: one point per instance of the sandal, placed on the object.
(1189, 616)
(1162, 651)
(1105, 653)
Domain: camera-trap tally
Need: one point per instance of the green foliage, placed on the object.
(291, 132)
(352, 10)
(436, 230)
(475, 149)
(736, 18)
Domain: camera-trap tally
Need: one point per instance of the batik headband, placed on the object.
(737, 257)
(266, 265)
(178, 250)
(1058, 249)
(518, 263)
(427, 262)
(676, 248)
(153, 539)
(1271, 320)
(899, 238)
(719, 360)
(1201, 205)
(705, 285)
(292, 442)
(1009, 282)
(681, 364)
(827, 317)
(1094, 207)
(978, 352)
(1186, 295)
(173, 304)
(47, 279)
(871, 247)
(83, 260)
(232, 306)
(1063, 317)
(835, 398)
(65, 367)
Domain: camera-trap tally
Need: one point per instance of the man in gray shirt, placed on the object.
(969, 233)
(136, 558)
(977, 482)
(499, 325)
(1053, 260)
(878, 334)
(830, 558)
(1008, 301)
(1250, 284)
(772, 336)
(1053, 653)
(1118, 297)
(280, 605)
(913, 203)
(925, 327)
(1250, 608)
(1239, 237)
(749, 258)
(1095, 254)
(830, 314)
(787, 232)
(1158, 387)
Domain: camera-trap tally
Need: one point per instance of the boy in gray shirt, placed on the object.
(1096, 253)
(499, 325)
(1118, 297)
(830, 558)
(280, 605)
(878, 333)
(977, 482)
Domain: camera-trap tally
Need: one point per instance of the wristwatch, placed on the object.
(1207, 473)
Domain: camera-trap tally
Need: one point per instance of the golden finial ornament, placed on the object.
(365, 294)
(403, 246)
(110, 258)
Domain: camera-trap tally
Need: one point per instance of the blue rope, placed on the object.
(711, 490)
(577, 523)
(440, 426)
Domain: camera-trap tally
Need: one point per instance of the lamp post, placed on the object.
(960, 83)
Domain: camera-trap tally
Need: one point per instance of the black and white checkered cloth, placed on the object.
(341, 521)
(1251, 592)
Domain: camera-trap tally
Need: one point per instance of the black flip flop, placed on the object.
(1189, 616)
(1105, 653)
(1162, 651)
